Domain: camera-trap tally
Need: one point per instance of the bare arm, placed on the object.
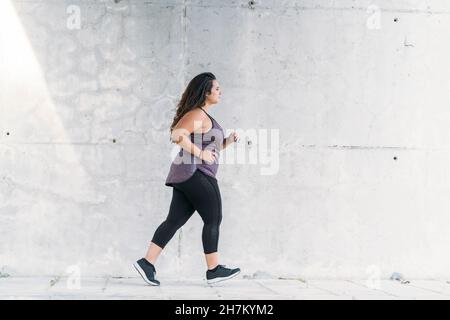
(180, 134)
(233, 137)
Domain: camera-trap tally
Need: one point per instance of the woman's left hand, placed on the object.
(233, 137)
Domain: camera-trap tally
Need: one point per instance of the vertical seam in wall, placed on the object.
(184, 26)
(183, 76)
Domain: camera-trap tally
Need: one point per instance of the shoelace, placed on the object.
(221, 266)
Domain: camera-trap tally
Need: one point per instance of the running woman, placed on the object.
(192, 176)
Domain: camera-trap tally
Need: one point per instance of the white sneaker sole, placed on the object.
(215, 280)
(142, 273)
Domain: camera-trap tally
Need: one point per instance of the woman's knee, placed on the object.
(213, 218)
(171, 225)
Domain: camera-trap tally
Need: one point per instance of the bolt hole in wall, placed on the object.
(7, 133)
(114, 140)
(395, 19)
(395, 158)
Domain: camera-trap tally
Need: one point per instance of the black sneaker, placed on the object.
(147, 271)
(221, 274)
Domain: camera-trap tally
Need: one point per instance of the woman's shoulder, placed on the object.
(192, 120)
(195, 114)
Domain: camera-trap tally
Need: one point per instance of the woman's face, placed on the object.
(214, 97)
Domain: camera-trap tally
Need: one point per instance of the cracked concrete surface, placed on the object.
(362, 115)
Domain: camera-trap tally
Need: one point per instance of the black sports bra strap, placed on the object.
(207, 114)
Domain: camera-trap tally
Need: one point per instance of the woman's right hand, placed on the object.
(208, 155)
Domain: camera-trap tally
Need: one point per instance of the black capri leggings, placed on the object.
(200, 192)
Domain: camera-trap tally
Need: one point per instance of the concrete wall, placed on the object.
(356, 90)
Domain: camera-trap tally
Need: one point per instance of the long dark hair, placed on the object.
(194, 96)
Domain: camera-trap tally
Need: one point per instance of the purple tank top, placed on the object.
(185, 164)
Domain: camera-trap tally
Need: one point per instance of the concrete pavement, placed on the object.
(238, 288)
